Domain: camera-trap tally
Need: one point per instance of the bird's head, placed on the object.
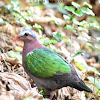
(26, 35)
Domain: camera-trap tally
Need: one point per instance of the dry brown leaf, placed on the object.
(11, 30)
(66, 53)
(18, 86)
(70, 93)
(79, 96)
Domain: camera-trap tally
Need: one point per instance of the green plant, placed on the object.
(79, 11)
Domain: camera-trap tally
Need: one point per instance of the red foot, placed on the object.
(51, 95)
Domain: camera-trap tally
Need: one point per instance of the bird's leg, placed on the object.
(51, 95)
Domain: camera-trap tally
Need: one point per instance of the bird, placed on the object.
(48, 69)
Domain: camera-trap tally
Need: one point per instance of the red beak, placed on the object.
(15, 39)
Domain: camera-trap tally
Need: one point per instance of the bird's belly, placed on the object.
(41, 82)
(45, 83)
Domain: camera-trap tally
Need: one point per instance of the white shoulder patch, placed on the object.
(30, 53)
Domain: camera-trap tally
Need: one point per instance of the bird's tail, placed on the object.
(81, 86)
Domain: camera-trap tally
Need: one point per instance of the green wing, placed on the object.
(45, 63)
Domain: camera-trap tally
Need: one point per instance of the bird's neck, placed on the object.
(28, 46)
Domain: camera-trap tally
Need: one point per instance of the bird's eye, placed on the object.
(26, 34)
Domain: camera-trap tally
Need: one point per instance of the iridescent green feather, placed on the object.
(45, 63)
